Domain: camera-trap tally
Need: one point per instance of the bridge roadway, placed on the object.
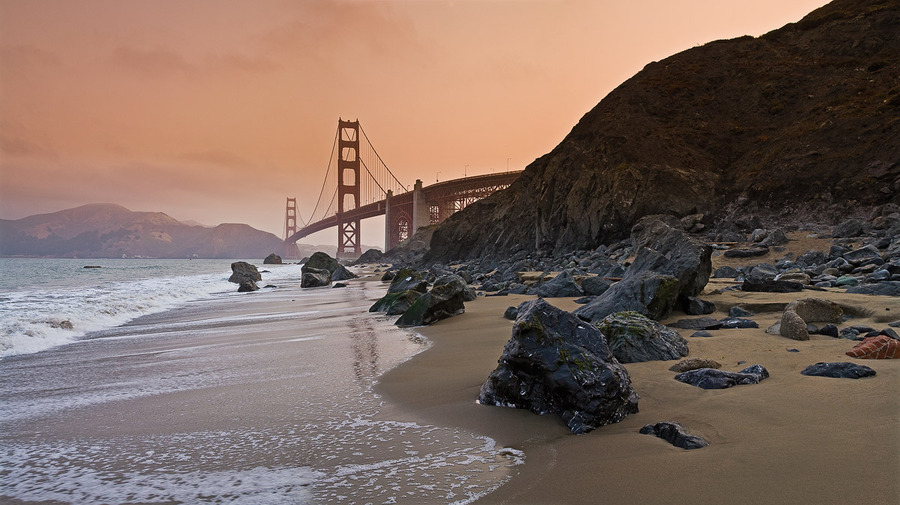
(420, 207)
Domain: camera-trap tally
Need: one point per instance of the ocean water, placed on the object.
(171, 387)
(49, 302)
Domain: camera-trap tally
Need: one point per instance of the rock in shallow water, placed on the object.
(710, 378)
(446, 299)
(841, 370)
(556, 363)
(675, 434)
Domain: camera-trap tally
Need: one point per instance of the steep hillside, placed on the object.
(799, 125)
(112, 231)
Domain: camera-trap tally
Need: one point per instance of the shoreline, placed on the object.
(265, 397)
(790, 439)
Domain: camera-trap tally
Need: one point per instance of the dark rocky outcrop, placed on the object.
(840, 370)
(675, 434)
(556, 363)
(272, 259)
(445, 299)
(246, 275)
(634, 338)
(767, 126)
(711, 378)
(670, 266)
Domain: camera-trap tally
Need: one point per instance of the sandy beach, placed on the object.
(790, 439)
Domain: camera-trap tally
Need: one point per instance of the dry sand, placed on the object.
(790, 439)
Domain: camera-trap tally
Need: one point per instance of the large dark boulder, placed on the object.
(444, 300)
(244, 273)
(711, 378)
(320, 264)
(322, 261)
(563, 285)
(670, 266)
(272, 259)
(556, 363)
(314, 277)
(634, 338)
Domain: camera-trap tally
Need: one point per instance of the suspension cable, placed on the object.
(369, 142)
(327, 171)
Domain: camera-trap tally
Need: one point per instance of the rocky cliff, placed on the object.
(799, 125)
(111, 231)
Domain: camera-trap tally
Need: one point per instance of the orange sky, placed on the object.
(216, 110)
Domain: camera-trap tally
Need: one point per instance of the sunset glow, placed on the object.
(215, 111)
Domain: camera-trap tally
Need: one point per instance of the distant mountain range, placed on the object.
(112, 231)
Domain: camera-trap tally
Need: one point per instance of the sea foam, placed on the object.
(36, 319)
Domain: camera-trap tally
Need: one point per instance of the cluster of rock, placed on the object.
(872, 267)
(409, 296)
(796, 320)
(321, 269)
(245, 275)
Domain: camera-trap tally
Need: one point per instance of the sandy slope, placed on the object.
(790, 439)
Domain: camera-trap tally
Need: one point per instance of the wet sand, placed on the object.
(258, 398)
(790, 439)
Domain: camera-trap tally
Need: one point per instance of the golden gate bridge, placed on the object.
(358, 185)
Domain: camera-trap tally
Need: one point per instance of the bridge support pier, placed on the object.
(388, 236)
(421, 214)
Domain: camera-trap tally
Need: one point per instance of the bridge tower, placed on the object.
(348, 187)
(290, 227)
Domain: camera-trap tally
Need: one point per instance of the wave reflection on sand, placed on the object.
(267, 400)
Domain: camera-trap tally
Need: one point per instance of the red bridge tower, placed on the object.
(348, 187)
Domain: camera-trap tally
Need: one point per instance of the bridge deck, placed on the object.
(447, 189)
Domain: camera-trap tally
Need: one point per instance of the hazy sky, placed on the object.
(216, 110)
